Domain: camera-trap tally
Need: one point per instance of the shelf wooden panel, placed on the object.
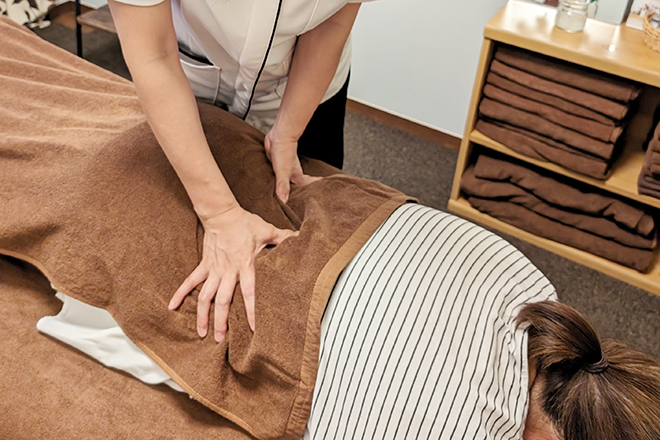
(649, 281)
(618, 50)
(622, 182)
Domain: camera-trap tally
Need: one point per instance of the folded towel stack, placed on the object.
(538, 203)
(649, 179)
(555, 111)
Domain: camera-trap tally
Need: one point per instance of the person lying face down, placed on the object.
(439, 329)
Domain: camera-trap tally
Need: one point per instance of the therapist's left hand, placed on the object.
(282, 152)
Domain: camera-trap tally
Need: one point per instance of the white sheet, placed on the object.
(94, 332)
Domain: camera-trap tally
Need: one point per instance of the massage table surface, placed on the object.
(50, 391)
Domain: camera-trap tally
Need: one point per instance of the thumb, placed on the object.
(282, 186)
(268, 146)
(279, 235)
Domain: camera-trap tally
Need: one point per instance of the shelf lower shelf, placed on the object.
(648, 281)
(622, 182)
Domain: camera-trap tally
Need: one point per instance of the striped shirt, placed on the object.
(418, 340)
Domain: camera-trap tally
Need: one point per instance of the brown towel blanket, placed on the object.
(607, 107)
(506, 191)
(648, 182)
(603, 132)
(88, 197)
(568, 196)
(559, 71)
(554, 101)
(538, 147)
(530, 221)
(653, 158)
(529, 121)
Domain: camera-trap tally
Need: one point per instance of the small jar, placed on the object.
(572, 14)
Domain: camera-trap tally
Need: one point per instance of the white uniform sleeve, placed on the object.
(141, 2)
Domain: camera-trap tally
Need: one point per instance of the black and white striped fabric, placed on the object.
(419, 338)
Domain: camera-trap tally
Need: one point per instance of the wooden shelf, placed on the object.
(622, 182)
(618, 50)
(649, 281)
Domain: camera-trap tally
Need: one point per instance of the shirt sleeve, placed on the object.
(141, 2)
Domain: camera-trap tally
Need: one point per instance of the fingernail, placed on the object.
(201, 331)
(219, 336)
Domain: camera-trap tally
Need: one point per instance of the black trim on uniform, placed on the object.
(263, 64)
(192, 56)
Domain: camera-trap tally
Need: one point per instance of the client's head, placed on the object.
(588, 389)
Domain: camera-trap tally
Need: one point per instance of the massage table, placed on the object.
(50, 391)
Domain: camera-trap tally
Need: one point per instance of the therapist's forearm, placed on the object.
(150, 48)
(172, 111)
(313, 67)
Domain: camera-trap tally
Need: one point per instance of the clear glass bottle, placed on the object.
(572, 14)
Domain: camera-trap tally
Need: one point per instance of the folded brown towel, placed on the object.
(89, 198)
(566, 195)
(505, 191)
(535, 146)
(653, 153)
(612, 109)
(551, 100)
(647, 184)
(649, 191)
(530, 221)
(50, 391)
(605, 133)
(654, 147)
(510, 115)
(599, 83)
(654, 163)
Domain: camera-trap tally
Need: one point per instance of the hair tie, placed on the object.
(598, 367)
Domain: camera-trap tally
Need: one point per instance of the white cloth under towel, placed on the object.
(94, 332)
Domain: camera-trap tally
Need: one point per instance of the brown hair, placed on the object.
(591, 390)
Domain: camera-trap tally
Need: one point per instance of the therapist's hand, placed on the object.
(282, 152)
(232, 240)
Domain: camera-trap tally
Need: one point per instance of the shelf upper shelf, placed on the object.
(618, 50)
(622, 182)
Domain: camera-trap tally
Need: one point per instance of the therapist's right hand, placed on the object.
(232, 241)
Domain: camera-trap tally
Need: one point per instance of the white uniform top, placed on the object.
(250, 44)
